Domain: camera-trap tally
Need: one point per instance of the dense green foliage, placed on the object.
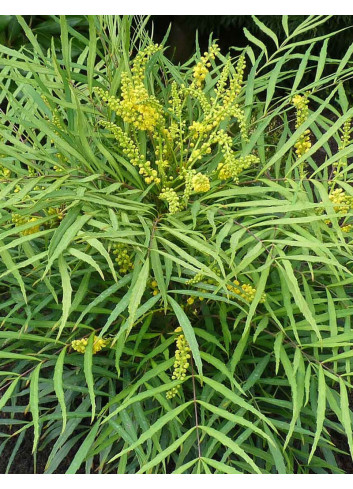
(250, 262)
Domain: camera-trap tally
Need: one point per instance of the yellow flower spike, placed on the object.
(347, 228)
(131, 151)
(190, 300)
(181, 362)
(136, 106)
(201, 69)
(303, 144)
(172, 198)
(201, 183)
(123, 258)
(98, 344)
(246, 291)
(19, 220)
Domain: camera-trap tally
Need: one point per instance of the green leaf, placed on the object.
(256, 41)
(346, 414)
(321, 408)
(137, 292)
(82, 452)
(228, 442)
(58, 385)
(167, 451)
(266, 30)
(7, 394)
(67, 293)
(86, 258)
(236, 400)
(155, 428)
(91, 51)
(34, 404)
(88, 370)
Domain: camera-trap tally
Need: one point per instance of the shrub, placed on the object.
(176, 246)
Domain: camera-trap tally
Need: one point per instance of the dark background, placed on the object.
(228, 29)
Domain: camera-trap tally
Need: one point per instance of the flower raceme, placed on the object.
(81, 344)
(303, 144)
(177, 151)
(181, 364)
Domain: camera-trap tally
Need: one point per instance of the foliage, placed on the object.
(143, 205)
(45, 27)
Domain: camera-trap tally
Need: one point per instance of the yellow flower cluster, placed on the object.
(19, 220)
(346, 134)
(245, 291)
(342, 204)
(227, 105)
(221, 84)
(154, 286)
(232, 166)
(303, 144)
(201, 183)
(136, 106)
(98, 344)
(123, 258)
(56, 121)
(57, 214)
(195, 279)
(344, 142)
(176, 143)
(4, 172)
(130, 150)
(172, 198)
(181, 363)
(202, 67)
(343, 201)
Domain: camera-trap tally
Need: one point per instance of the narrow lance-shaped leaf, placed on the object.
(321, 407)
(87, 366)
(34, 404)
(58, 385)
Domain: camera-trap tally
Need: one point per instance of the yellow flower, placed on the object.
(123, 258)
(201, 183)
(98, 344)
(347, 228)
(181, 363)
(172, 198)
(303, 144)
(19, 220)
(246, 291)
(201, 69)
